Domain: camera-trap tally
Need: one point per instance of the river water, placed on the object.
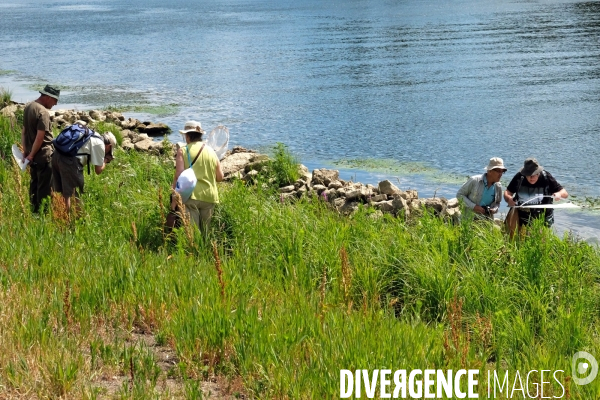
(422, 92)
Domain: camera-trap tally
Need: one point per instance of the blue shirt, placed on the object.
(487, 197)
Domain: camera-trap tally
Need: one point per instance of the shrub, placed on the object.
(5, 97)
(284, 166)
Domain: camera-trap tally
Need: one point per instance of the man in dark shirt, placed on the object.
(36, 139)
(530, 186)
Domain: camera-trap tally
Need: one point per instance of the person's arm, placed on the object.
(463, 193)
(558, 192)
(508, 197)
(98, 156)
(37, 144)
(99, 168)
(219, 172)
(179, 166)
(561, 194)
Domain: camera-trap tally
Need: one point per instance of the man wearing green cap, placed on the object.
(36, 139)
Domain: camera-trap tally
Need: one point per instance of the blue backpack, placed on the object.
(71, 139)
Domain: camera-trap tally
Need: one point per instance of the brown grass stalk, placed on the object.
(456, 342)
(322, 292)
(134, 230)
(346, 277)
(67, 304)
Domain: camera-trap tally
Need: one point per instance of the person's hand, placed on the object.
(557, 196)
(107, 159)
(479, 210)
(511, 202)
(29, 157)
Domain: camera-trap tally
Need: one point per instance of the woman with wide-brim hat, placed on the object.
(207, 169)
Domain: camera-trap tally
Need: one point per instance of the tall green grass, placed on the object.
(5, 96)
(288, 294)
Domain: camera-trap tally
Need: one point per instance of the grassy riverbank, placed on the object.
(278, 300)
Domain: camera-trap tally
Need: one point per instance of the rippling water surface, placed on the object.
(441, 84)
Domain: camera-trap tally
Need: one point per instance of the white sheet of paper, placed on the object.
(18, 155)
(565, 205)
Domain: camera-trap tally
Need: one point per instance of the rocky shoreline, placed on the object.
(244, 164)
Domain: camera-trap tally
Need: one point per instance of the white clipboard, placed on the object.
(18, 155)
(563, 205)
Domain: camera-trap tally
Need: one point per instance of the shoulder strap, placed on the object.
(197, 155)
(547, 183)
(516, 198)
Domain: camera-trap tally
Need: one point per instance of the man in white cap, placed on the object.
(36, 139)
(483, 193)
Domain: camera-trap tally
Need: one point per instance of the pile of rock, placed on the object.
(345, 196)
(62, 118)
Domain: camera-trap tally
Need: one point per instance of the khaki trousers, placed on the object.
(200, 212)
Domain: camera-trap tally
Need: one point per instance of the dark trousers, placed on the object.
(39, 187)
(526, 218)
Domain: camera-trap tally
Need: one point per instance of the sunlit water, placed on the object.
(443, 85)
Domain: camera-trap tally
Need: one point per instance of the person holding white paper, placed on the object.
(36, 139)
(532, 185)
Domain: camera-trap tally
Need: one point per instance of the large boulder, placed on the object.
(437, 204)
(126, 133)
(348, 207)
(139, 138)
(335, 185)
(130, 123)
(416, 205)
(86, 118)
(236, 162)
(319, 188)
(144, 145)
(360, 193)
(257, 164)
(59, 122)
(329, 194)
(151, 129)
(250, 176)
(401, 205)
(378, 197)
(9, 111)
(97, 115)
(126, 144)
(385, 206)
(387, 187)
(156, 147)
(304, 173)
(287, 189)
(411, 195)
(325, 176)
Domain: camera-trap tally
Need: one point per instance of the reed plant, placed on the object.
(279, 296)
(5, 97)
